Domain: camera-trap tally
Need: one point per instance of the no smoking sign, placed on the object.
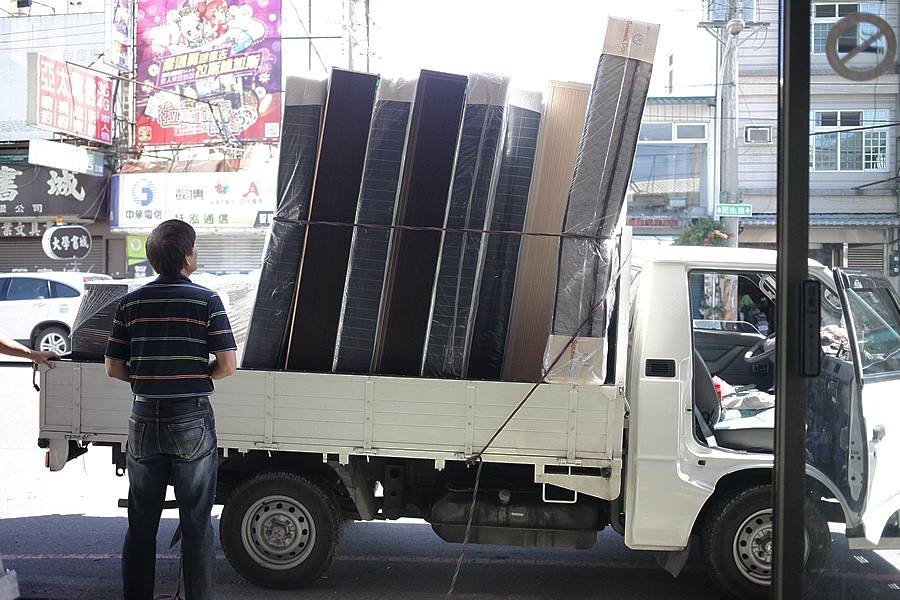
(841, 63)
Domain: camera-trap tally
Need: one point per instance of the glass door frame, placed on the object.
(792, 239)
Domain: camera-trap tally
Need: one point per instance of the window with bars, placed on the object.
(826, 14)
(839, 145)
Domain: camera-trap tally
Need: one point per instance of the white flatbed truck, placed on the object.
(649, 453)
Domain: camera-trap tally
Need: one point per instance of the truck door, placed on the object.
(871, 312)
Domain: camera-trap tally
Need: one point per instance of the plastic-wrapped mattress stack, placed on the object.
(267, 339)
(469, 213)
(377, 201)
(93, 322)
(596, 199)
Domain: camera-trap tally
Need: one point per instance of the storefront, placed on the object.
(231, 212)
(33, 198)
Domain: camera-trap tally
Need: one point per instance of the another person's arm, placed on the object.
(220, 340)
(118, 348)
(11, 347)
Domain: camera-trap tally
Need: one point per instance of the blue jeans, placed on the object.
(170, 440)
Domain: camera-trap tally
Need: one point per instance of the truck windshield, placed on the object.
(876, 322)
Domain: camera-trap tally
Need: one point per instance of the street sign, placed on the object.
(57, 155)
(734, 210)
(67, 242)
(852, 22)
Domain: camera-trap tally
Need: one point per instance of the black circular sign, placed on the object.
(67, 242)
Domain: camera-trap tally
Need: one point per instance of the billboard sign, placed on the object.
(66, 156)
(119, 22)
(208, 201)
(208, 70)
(36, 192)
(69, 99)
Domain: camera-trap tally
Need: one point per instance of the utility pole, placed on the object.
(729, 19)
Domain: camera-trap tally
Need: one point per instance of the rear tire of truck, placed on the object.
(736, 541)
(280, 530)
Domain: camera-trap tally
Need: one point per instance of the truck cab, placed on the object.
(696, 448)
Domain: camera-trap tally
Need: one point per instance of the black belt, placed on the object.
(189, 399)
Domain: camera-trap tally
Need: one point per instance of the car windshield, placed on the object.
(876, 322)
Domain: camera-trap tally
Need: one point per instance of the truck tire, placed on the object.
(736, 541)
(280, 530)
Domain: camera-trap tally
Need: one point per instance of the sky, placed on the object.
(534, 41)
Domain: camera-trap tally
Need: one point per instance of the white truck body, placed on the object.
(629, 446)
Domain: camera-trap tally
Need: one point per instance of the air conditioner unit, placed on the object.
(756, 134)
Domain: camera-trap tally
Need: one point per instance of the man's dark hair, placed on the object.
(169, 244)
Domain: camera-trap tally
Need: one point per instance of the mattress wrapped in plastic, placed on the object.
(93, 323)
(267, 340)
(498, 276)
(596, 199)
(95, 315)
(468, 214)
(369, 249)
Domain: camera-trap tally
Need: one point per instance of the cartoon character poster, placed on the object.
(209, 71)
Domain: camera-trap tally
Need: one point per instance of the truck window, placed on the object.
(876, 323)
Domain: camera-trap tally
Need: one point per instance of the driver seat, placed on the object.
(706, 401)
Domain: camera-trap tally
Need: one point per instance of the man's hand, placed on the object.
(117, 369)
(43, 358)
(223, 365)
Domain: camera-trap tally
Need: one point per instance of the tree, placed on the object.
(704, 232)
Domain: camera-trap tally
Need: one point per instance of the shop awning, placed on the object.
(831, 220)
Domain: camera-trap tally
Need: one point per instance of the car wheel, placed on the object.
(53, 339)
(280, 530)
(737, 539)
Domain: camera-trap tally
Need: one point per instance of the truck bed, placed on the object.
(338, 416)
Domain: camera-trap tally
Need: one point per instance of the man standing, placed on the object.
(162, 336)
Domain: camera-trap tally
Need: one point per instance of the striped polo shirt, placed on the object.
(165, 332)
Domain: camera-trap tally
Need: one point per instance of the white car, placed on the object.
(38, 309)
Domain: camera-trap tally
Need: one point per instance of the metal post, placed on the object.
(793, 247)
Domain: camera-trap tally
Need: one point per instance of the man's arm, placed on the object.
(117, 369)
(11, 347)
(223, 365)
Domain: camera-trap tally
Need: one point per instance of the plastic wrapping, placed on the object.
(267, 339)
(501, 256)
(470, 207)
(335, 197)
(421, 209)
(93, 323)
(369, 249)
(597, 197)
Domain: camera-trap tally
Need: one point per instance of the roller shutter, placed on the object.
(230, 253)
(26, 254)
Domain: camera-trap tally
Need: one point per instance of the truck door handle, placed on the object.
(878, 433)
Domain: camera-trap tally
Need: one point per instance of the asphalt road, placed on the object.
(62, 533)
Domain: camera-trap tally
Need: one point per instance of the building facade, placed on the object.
(853, 159)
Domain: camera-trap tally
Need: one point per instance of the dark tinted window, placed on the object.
(27, 288)
(61, 290)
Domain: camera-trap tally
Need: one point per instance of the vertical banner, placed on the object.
(209, 70)
(138, 265)
(119, 30)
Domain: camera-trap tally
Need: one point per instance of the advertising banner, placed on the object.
(119, 22)
(70, 99)
(209, 70)
(208, 201)
(32, 192)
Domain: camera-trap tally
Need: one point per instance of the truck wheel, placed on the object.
(280, 530)
(737, 537)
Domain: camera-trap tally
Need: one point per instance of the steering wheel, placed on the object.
(762, 350)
